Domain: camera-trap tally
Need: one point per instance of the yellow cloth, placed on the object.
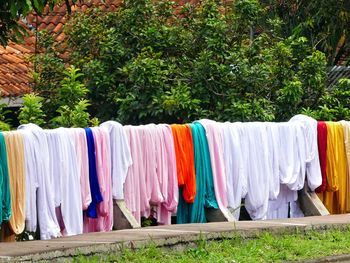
(335, 198)
(16, 165)
(346, 129)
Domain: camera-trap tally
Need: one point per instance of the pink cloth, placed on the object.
(133, 190)
(83, 164)
(167, 175)
(104, 221)
(216, 149)
(151, 182)
(153, 167)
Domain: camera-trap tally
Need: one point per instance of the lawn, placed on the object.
(265, 248)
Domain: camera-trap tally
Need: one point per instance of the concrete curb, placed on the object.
(174, 236)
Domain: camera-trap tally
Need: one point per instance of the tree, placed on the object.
(151, 62)
(325, 23)
(12, 11)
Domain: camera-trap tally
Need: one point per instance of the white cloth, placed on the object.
(236, 161)
(313, 169)
(259, 170)
(274, 157)
(120, 157)
(31, 166)
(48, 224)
(67, 180)
(279, 208)
(293, 153)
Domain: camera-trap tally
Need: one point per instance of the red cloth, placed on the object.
(322, 152)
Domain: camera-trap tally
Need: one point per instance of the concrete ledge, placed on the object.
(122, 217)
(310, 204)
(166, 236)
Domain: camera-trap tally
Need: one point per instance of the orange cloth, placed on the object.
(16, 167)
(335, 198)
(186, 175)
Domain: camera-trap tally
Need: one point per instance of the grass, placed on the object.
(265, 248)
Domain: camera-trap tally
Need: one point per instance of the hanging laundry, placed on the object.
(185, 161)
(67, 181)
(166, 171)
(96, 196)
(16, 170)
(279, 208)
(104, 221)
(313, 170)
(205, 193)
(335, 196)
(292, 155)
(120, 157)
(82, 157)
(322, 152)
(42, 194)
(346, 130)
(31, 180)
(236, 161)
(151, 147)
(216, 150)
(274, 156)
(5, 195)
(134, 188)
(258, 171)
(153, 172)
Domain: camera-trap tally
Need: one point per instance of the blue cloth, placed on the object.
(205, 192)
(96, 196)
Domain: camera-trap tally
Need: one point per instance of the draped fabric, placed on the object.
(120, 157)
(5, 195)
(186, 175)
(236, 161)
(104, 221)
(310, 145)
(167, 175)
(67, 181)
(205, 193)
(82, 157)
(134, 187)
(151, 188)
(216, 149)
(41, 192)
(346, 130)
(322, 152)
(96, 196)
(258, 171)
(335, 196)
(16, 169)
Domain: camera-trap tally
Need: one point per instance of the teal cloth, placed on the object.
(205, 193)
(5, 211)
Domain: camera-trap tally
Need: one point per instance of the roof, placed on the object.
(336, 73)
(15, 67)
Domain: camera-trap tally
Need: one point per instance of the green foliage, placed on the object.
(325, 23)
(31, 111)
(76, 116)
(13, 11)
(265, 247)
(146, 62)
(4, 120)
(334, 104)
(71, 98)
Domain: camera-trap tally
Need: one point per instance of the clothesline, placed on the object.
(65, 179)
